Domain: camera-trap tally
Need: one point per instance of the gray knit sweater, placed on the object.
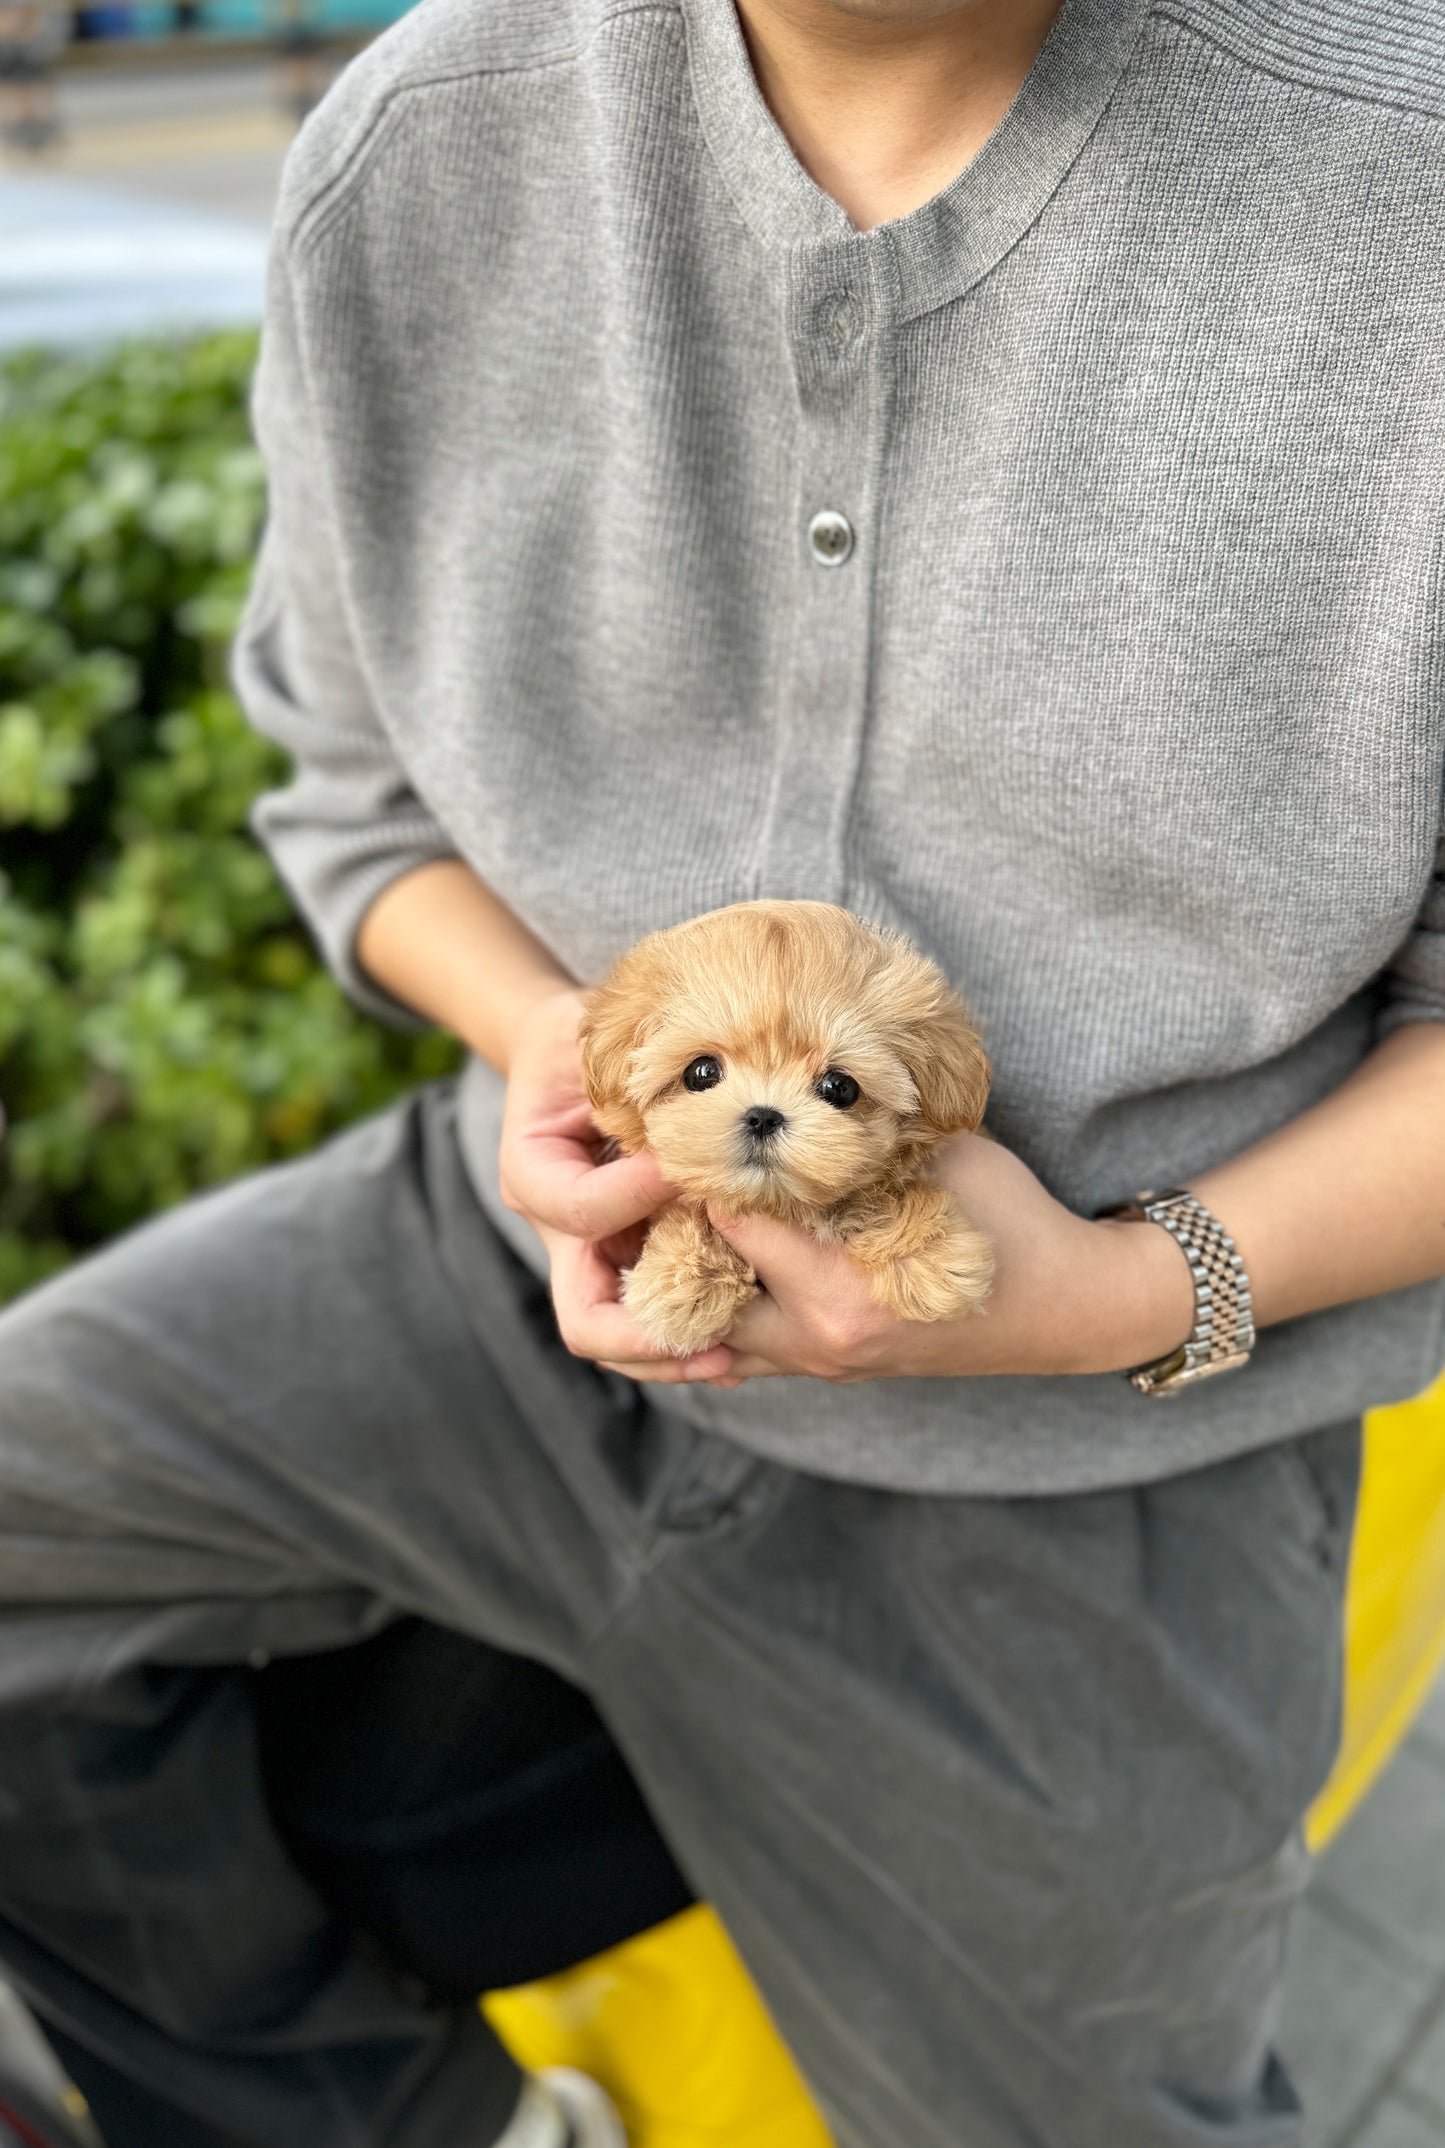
(1128, 703)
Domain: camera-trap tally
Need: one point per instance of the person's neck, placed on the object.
(883, 108)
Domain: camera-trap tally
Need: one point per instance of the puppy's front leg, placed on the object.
(688, 1283)
(925, 1260)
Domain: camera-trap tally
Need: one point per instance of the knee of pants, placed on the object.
(73, 1465)
(54, 1460)
(137, 1850)
(46, 1337)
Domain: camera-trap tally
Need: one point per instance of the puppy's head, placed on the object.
(780, 1054)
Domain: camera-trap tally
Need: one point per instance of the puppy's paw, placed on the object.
(688, 1285)
(925, 1260)
(940, 1280)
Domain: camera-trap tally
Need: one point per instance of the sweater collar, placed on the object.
(941, 249)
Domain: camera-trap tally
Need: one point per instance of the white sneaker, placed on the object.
(590, 2110)
(561, 2108)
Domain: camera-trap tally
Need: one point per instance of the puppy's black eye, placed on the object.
(703, 1074)
(839, 1089)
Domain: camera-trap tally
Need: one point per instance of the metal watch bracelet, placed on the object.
(1223, 1333)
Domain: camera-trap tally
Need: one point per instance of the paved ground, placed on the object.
(1365, 2014)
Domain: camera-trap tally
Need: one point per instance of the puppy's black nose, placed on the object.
(761, 1120)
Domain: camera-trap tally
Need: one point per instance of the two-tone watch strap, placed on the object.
(1223, 1333)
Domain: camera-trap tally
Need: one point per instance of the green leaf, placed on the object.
(164, 1022)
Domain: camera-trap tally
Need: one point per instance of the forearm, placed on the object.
(1347, 1200)
(1344, 1202)
(443, 944)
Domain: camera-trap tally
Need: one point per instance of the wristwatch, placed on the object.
(1223, 1333)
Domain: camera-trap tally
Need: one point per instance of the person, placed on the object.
(301, 63)
(978, 462)
(33, 35)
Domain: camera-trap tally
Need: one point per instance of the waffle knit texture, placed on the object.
(1128, 705)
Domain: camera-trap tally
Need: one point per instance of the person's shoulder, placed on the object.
(437, 43)
(1386, 52)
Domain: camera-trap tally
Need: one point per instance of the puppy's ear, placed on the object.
(937, 1042)
(616, 1020)
(946, 1058)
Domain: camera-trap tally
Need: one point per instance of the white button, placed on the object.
(830, 537)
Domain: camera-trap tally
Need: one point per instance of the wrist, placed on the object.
(442, 943)
(543, 1014)
(1143, 1296)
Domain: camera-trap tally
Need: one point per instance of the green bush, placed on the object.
(164, 1023)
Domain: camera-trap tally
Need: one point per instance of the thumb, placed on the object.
(785, 1258)
(604, 1199)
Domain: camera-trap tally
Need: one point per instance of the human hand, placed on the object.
(589, 1215)
(1069, 1295)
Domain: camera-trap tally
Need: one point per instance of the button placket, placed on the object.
(839, 320)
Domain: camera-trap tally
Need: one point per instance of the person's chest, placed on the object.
(1129, 606)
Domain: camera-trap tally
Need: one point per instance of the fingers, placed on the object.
(678, 1371)
(609, 1197)
(675, 1372)
(743, 1368)
(761, 1331)
(556, 1183)
(815, 1314)
(548, 1162)
(789, 1262)
(593, 1323)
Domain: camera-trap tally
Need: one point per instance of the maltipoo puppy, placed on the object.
(785, 1059)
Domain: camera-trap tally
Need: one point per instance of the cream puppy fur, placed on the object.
(785, 1059)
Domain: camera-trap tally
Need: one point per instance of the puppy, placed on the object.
(785, 1059)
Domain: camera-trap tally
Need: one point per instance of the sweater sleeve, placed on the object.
(348, 822)
(1415, 980)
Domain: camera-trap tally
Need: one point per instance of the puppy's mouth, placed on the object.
(759, 1130)
(763, 1163)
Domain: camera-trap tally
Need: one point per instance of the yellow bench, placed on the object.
(670, 2022)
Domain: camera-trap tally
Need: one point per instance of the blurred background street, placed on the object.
(203, 134)
(151, 207)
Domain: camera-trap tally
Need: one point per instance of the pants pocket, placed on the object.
(1321, 1480)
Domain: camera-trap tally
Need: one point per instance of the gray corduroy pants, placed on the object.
(1000, 1798)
